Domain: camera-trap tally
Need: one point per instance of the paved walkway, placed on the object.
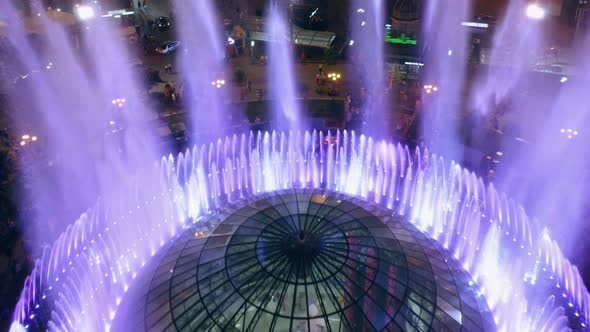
(257, 74)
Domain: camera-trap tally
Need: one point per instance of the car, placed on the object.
(168, 47)
(163, 23)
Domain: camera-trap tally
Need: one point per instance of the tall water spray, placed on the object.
(549, 110)
(80, 97)
(446, 45)
(559, 156)
(367, 26)
(516, 44)
(201, 59)
(281, 75)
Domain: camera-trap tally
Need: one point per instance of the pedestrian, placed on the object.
(348, 108)
(179, 91)
(249, 86)
(167, 90)
(259, 93)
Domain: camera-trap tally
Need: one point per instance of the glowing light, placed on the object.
(563, 79)
(535, 11)
(334, 76)
(85, 12)
(429, 88)
(218, 83)
(475, 25)
(351, 42)
(119, 102)
(314, 12)
(569, 132)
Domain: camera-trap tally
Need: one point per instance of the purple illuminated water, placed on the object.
(367, 19)
(81, 278)
(447, 60)
(499, 245)
(517, 43)
(281, 76)
(201, 59)
(67, 92)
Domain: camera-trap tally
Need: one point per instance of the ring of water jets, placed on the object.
(80, 281)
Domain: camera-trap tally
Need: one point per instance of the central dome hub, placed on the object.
(301, 246)
(294, 247)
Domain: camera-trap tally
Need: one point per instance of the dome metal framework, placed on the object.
(303, 260)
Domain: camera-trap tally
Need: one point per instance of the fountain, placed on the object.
(80, 280)
(367, 34)
(97, 258)
(197, 26)
(281, 76)
(447, 60)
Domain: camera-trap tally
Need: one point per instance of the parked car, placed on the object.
(168, 47)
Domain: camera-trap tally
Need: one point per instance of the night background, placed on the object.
(87, 96)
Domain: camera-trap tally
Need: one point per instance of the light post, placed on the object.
(218, 83)
(28, 139)
(119, 102)
(334, 78)
(569, 133)
(430, 88)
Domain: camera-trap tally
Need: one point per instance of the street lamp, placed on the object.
(430, 88)
(534, 11)
(27, 139)
(218, 83)
(334, 76)
(569, 132)
(119, 102)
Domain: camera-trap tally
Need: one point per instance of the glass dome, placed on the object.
(306, 261)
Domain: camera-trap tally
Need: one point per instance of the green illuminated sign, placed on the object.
(402, 39)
